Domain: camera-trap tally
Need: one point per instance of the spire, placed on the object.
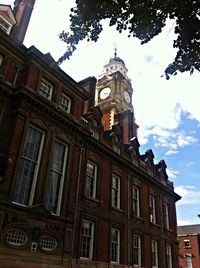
(22, 11)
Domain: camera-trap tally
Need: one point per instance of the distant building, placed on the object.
(74, 189)
(189, 246)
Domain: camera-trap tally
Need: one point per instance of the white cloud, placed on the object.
(171, 152)
(189, 164)
(189, 195)
(184, 140)
(172, 174)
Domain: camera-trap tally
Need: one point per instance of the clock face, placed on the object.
(127, 96)
(104, 93)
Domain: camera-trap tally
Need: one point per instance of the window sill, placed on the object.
(92, 199)
(139, 219)
(118, 209)
(155, 224)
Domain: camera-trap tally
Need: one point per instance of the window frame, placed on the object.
(90, 244)
(154, 250)
(3, 28)
(137, 250)
(61, 173)
(51, 87)
(24, 158)
(169, 256)
(152, 209)
(116, 192)
(1, 60)
(115, 246)
(166, 216)
(186, 241)
(65, 108)
(188, 260)
(136, 201)
(88, 184)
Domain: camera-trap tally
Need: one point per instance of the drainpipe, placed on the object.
(76, 200)
(128, 220)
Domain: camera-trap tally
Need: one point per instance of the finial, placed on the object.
(115, 52)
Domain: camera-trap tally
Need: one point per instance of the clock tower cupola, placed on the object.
(114, 94)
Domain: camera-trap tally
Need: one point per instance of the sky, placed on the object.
(167, 111)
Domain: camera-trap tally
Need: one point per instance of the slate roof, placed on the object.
(188, 229)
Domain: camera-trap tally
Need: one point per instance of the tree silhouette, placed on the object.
(142, 19)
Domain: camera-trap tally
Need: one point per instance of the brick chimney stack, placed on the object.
(22, 11)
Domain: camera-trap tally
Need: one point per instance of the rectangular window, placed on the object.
(136, 202)
(188, 260)
(115, 191)
(166, 215)
(154, 248)
(56, 178)
(116, 149)
(152, 209)
(91, 180)
(186, 243)
(169, 255)
(87, 239)
(65, 103)
(95, 133)
(1, 60)
(46, 89)
(137, 250)
(4, 25)
(2, 109)
(115, 245)
(28, 170)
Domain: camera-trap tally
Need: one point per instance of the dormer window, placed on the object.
(65, 103)
(4, 25)
(94, 129)
(116, 145)
(46, 89)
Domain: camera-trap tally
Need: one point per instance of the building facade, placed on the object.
(189, 246)
(74, 189)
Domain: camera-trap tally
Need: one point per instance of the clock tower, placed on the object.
(114, 95)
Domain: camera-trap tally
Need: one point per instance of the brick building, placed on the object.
(74, 189)
(189, 246)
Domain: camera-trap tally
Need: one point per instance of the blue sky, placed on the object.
(167, 112)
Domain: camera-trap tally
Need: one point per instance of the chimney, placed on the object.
(22, 12)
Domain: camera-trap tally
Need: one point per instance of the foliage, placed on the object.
(143, 19)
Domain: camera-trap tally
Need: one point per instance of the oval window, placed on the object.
(48, 243)
(16, 237)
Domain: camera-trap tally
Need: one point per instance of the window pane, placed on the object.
(65, 103)
(152, 209)
(4, 25)
(136, 202)
(46, 89)
(154, 249)
(166, 216)
(169, 256)
(115, 245)
(136, 250)
(91, 180)
(28, 167)
(116, 191)
(87, 239)
(56, 177)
